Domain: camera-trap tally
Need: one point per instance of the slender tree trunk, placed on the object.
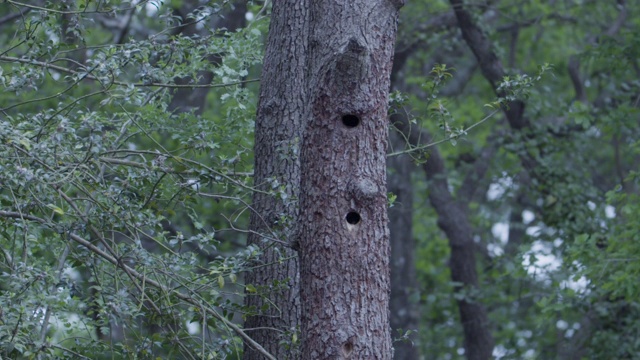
(344, 240)
(277, 166)
(490, 65)
(453, 219)
(404, 286)
(404, 283)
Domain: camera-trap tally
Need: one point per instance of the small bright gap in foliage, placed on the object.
(353, 217)
(610, 212)
(350, 120)
(528, 216)
(152, 8)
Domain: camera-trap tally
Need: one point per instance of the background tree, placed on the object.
(273, 285)
(538, 176)
(129, 187)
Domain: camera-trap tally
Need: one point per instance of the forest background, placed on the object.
(126, 180)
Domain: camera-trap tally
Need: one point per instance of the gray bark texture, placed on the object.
(278, 135)
(343, 238)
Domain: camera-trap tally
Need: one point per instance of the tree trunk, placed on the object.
(344, 240)
(278, 135)
(404, 286)
(404, 283)
(453, 219)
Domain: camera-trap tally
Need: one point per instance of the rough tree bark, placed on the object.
(277, 138)
(343, 239)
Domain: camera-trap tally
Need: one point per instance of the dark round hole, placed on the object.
(350, 120)
(353, 217)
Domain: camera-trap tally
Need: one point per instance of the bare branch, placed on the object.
(490, 65)
(8, 18)
(574, 73)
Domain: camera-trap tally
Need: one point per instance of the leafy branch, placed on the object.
(515, 87)
(67, 12)
(88, 76)
(143, 279)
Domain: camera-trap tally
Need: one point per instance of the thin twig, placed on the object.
(121, 83)
(40, 8)
(13, 16)
(422, 147)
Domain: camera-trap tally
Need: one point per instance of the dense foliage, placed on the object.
(557, 241)
(123, 215)
(126, 136)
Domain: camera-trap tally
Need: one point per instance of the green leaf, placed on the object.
(55, 209)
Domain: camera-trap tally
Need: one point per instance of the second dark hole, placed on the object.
(353, 217)
(350, 120)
